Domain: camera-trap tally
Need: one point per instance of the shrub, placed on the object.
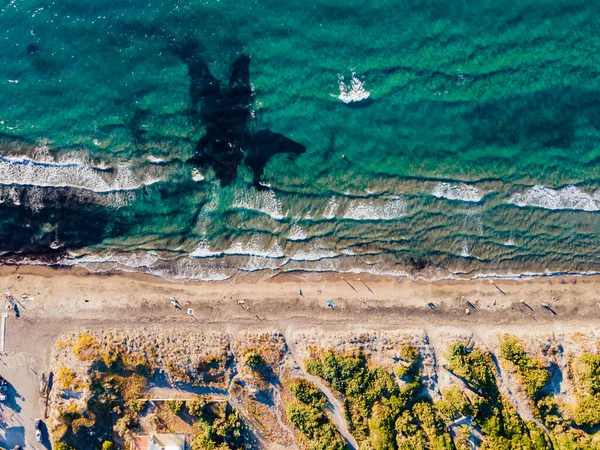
(62, 446)
(65, 378)
(363, 388)
(587, 412)
(474, 367)
(82, 422)
(458, 400)
(196, 406)
(221, 429)
(445, 408)
(175, 405)
(137, 405)
(308, 393)
(586, 371)
(409, 353)
(86, 348)
(254, 360)
(125, 424)
(531, 372)
(315, 427)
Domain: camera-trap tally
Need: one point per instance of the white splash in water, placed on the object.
(353, 91)
(154, 160)
(196, 175)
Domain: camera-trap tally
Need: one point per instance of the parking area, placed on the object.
(24, 403)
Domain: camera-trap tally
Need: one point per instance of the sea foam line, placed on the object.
(368, 209)
(569, 197)
(462, 192)
(27, 172)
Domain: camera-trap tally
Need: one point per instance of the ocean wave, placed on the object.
(331, 208)
(256, 263)
(213, 269)
(465, 250)
(254, 250)
(265, 202)
(136, 260)
(461, 192)
(203, 251)
(297, 233)
(569, 197)
(36, 198)
(256, 246)
(154, 160)
(194, 270)
(371, 209)
(28, 172)
(313, 255)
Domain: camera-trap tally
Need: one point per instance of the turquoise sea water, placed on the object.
(124, 145)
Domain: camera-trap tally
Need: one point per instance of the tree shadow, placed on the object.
(225, 113)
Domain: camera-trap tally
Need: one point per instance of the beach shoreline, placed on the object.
(367, 299)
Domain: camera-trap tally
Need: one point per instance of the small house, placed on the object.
(159, 441)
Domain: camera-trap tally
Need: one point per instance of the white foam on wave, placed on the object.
(135, 260)
(462, 192)
(203, 251)
(256, 263)
(265, 202)
(154, 160)
(313, 255)
(465, 250)
(35, 197)
(569, 197)
(255, 247)
(331, 208)
(196, 175)
(371, 209)
(510, 242)
(352, 91)
(28, 172)
(193, 269)
(297, 233)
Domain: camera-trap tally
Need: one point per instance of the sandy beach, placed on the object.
(76, 293)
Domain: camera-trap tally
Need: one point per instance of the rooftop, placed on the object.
(159, 441)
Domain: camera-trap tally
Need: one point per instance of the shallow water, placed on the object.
(139, 136)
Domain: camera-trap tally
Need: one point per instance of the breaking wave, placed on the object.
(461, 192)
(265, 202)
(569, 197)
(371, 209)
(28, 172)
